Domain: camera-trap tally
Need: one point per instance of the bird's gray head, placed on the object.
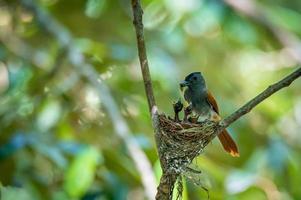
(194, 81)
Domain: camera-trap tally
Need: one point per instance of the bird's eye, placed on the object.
(195, 78)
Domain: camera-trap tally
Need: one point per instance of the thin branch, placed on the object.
(261, 97)
(86, 70)
(138, 12)
(167, 180)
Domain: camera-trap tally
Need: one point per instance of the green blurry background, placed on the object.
(57, 141)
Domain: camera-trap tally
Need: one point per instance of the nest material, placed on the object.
(181, 142)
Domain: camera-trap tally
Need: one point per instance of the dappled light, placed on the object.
(75, 119)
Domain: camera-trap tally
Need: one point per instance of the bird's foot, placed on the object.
(187, 112)
(216, 118)
(193, 119)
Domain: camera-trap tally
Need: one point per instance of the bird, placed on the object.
(202, 103)
(177, 107)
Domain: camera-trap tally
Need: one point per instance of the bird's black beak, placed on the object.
(183, 84)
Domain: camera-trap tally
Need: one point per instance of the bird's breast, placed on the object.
(204, 112)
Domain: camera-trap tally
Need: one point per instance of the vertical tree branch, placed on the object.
(138, 24)
(167, 180)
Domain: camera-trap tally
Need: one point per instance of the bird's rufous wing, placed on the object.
(212, 102)
(224, 137)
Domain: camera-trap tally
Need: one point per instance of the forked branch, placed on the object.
(164, 190)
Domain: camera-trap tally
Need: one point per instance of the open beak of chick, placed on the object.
(183, 84)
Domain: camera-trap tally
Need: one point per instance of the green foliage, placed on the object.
(80, 174)
(11, 193)
(57, 141)
(94, 8)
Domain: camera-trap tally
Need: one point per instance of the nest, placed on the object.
(180, 142)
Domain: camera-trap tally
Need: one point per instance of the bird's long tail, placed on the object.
(228, 143)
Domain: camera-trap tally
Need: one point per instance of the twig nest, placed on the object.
(181, 142)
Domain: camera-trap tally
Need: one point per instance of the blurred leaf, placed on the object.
(81, 172)
(285, 17)
(3, 52)
(209, 166)
(13, 193)
(185, 190)
(16, 142)
(251, 193)
(239, 181)
(19, 75)
(212, 12)
(153, 15)
(65, 132)
(49, 115)
(115, 188)
(182, 6)
(157, 170)
(90, 47)
(271, 106)
(59, 195)
(121, 165)
(163, 68)
(94, 8)
(72, 148)
(94, 51)
(240, 30)
(277, 154)
(257, 161)
(142, 141)
(51, 152)
(122, 52)
(293, 175)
